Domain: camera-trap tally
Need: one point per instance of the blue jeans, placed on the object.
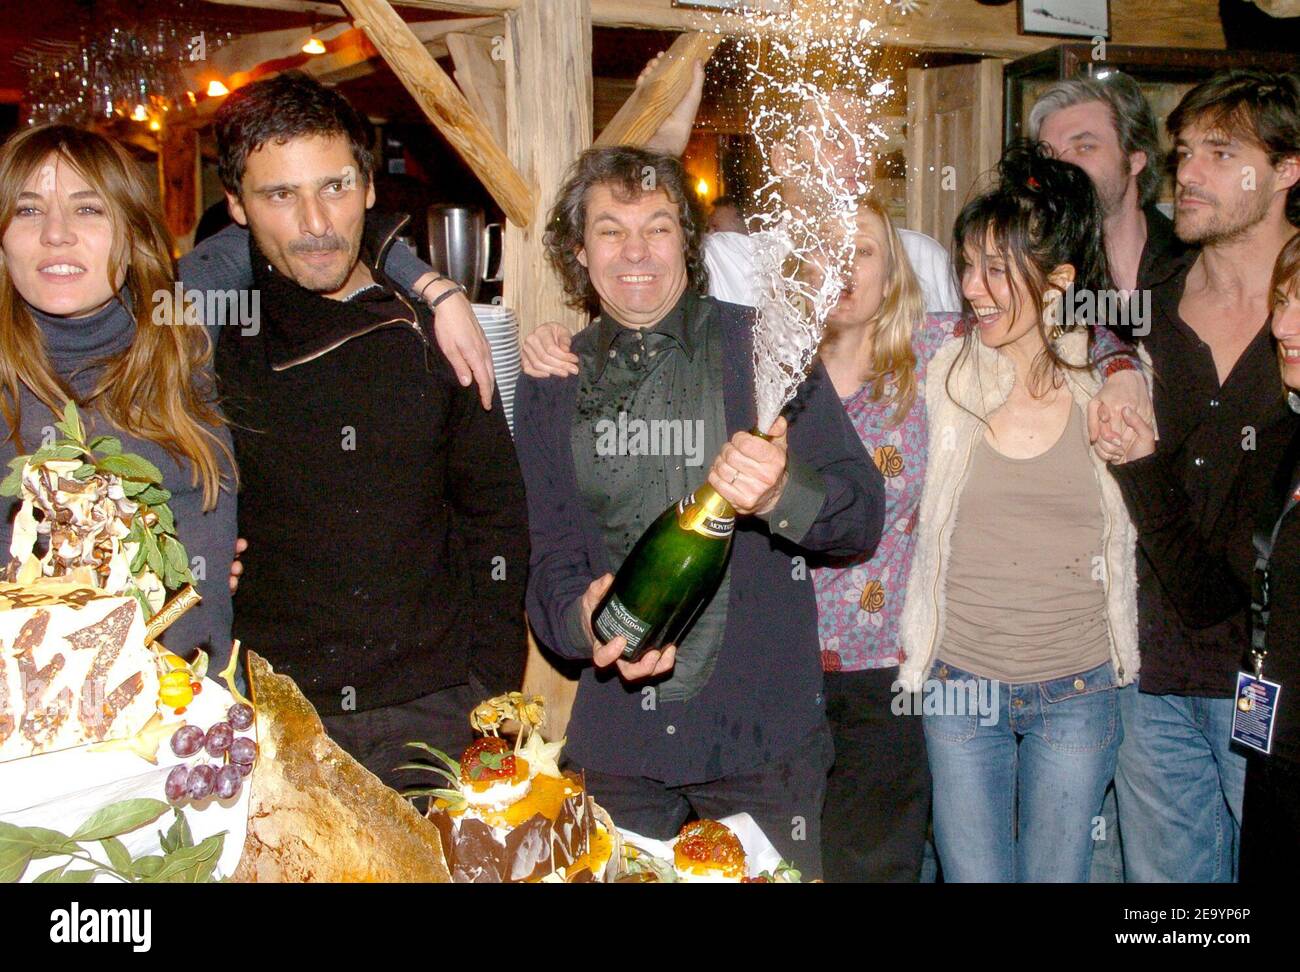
(1180, 787)
(1017, 799)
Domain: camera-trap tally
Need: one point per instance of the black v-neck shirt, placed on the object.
(1207, 432)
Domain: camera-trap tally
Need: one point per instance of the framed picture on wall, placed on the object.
(1064, 18)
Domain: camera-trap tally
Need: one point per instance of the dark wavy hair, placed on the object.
(1130, 112)
(1260, 107)
(630, 173)
(1042, 213)
(287, 106)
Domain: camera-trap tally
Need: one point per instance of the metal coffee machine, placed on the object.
(460, 244)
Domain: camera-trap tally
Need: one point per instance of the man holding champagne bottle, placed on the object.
(731, 717)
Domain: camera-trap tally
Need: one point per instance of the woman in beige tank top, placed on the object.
(1021, 605)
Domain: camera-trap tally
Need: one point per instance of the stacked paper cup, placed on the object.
(502, 330)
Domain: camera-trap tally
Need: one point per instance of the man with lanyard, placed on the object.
(1180, 779)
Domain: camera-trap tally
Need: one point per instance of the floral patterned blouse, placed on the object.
(859, 604)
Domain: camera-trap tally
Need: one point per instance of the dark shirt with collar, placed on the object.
(650, 419)
(1210, 574)
(1206, 432)
(383, 506)
(763, 695)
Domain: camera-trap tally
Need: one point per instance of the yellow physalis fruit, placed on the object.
(174, 662)
(175, 690)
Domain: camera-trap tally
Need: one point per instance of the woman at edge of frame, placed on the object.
(86, 253)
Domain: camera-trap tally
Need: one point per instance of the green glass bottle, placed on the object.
(670, 574)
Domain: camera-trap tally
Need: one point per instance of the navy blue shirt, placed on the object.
(764, 696)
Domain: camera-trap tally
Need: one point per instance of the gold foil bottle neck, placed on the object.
(706, 503)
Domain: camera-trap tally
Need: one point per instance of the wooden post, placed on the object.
(178, 183)
(446, 107)
(643, 113)
(548, 122)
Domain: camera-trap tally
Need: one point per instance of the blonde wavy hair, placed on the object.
(902, 309)
(154, 389)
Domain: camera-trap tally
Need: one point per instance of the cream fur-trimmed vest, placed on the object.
(982, 381)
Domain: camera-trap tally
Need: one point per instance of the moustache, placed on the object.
(1187, 194)
(322, 244)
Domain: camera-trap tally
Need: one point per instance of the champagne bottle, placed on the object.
(672, 571)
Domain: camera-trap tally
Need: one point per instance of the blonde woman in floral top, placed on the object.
(876, 349)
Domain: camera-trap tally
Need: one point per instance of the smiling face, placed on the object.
(633, 249)
(1286, 330)
(1224, 185)
(864, 289)
(60, 241)
(1085, 135)
(305, 202)
(1007, 308)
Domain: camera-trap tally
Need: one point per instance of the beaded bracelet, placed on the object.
(1117, 364)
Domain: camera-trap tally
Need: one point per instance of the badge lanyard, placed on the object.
(1253, 716)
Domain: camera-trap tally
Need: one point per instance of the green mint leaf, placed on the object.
(120, 818)
(106, 445)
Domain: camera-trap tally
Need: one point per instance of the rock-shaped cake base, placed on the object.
(315, 813)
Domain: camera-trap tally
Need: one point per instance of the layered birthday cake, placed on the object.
(509, 813)
(102, 730)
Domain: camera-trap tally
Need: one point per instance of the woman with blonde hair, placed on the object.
(86, 315)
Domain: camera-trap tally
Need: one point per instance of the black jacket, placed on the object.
(384, 508)
(764, 697)
(1207, 574)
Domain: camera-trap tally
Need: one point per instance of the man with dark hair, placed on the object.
(384, 508)
(731, 719)
(1179, 781)
(1105, 126)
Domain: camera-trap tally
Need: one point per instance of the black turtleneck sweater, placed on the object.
(383, 506)
(74, 346)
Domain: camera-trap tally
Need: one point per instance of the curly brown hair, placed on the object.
(629, 172)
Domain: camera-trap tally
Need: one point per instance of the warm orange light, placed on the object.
(139, 114)
(155, 125)
(313, 46)
(702, 188)
(216, 89)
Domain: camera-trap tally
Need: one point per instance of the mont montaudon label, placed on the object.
(617, 620)
(703, 523)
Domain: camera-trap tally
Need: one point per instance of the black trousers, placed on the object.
(878, 796)
(377, 738)
(784, 798)
(1270, 821)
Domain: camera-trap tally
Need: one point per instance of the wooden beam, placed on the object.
(943, 25)
(548, 121)
(440, 99)
(661, 92)
(482, 77)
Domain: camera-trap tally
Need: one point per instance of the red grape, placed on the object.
(240, 716)
(219, 737)
(187, 740)
(243, 750)
(228, 781)
(177, 783)
(202, 779)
